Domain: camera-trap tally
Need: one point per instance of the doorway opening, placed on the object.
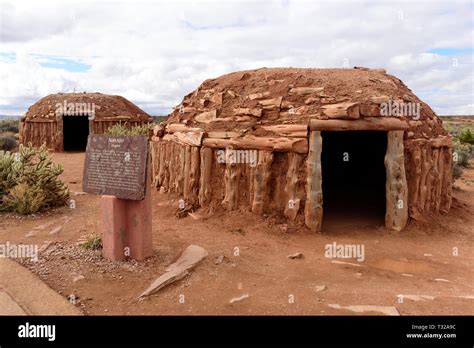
(75, 132)
(353, 173)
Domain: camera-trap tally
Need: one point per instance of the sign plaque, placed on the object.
(116, 166)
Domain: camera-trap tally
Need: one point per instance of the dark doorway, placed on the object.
(353, 173)
(75, 132)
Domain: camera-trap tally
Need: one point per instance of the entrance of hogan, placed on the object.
(353, 179)
(75, 132)
(344, 187)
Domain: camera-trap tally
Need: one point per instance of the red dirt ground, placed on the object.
(262, 269)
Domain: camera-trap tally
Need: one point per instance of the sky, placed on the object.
(155, 52)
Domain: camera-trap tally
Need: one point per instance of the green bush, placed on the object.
(29, 181)
(466, 137)
(7, 142)
(122, 129)
(92, 242)
(9, 126)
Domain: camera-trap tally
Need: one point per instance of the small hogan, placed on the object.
(305, 144)
(63, 121)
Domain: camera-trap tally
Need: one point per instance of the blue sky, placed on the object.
(155, 52)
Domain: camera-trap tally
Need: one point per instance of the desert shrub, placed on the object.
(463, 158)
(457, 171)
(9, 126)
(92, 242)
(159, 119)
(7, 142)
(462, 153)
(23, 199)
(29, 181)
(466, 137)
(122, 129)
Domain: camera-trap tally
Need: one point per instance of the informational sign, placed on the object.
(116, 165)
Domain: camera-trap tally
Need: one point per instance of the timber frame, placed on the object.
(418, 171)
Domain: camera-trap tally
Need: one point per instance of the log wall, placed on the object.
(288, 181)
(429, 175)
(50, 132)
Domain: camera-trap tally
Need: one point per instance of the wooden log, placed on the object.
(39, 120)
(289, 130)
(251, 183)
(269, 104)
(166, 160)
(313, 213)
(396, 191)
(414, 123)
(430, 180)
(154, 161)
(446, 141)
(182, 164)
(194, 174)
(172, 164)
(414, 188)
(262, 176)
(206, 117)
(158, 130)
(222, 134)
(369, 110)
(342, 110)
(437, 171)
(205, 178)
(248, 111)
(59, 146)
(306, 90)
(425, 170)
(446, 193)
(258, 95)
(187, 169)
(299, 145)
(188, 138)
(380, 99)
(292, 205)
(161, 167)
(182, 128)
(244, 121)
(373, 123)
(231, 185)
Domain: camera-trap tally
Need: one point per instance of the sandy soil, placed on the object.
(395, 263)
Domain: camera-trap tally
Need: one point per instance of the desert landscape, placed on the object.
(262, 265)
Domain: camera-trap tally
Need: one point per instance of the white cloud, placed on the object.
(155, 52)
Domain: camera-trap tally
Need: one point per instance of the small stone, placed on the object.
(427, 255)
(56, 230)
(319, 288)
(78, 278)
(295, 256)
(240, 298)
(80, 193)
(219, 259)
(442, 280)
